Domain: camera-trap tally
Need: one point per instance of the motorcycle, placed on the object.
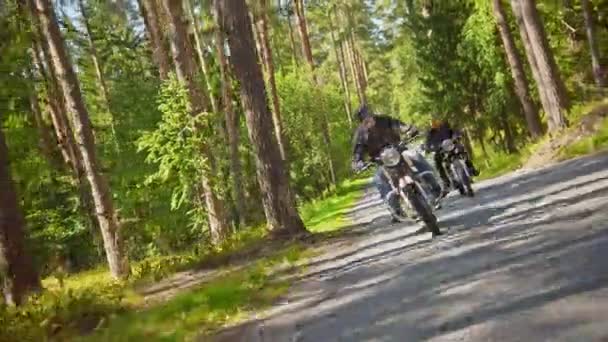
(454, 157)
(403, 175)
(425, 175)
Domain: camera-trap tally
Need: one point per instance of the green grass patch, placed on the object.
(207, 308)
(329, 213)
(591, 144)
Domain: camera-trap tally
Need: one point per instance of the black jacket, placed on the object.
(436, 136)
(375, 132)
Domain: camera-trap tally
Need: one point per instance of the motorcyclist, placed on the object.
(440, 131)
(373, 134)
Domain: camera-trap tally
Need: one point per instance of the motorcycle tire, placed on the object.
(465, 180)
(425, 212)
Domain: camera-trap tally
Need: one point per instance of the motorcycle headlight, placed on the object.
(390, 157)
(447, 145)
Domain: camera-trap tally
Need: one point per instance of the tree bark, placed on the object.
(517, 72)
(598, 75)
(279, 206)
(149, 11)
(183, 59)
(201, 55)
(106, 215)
(551, 81)
(307, 51)
(350, 53)
(303, 28)
(16, 267)
(262, 29)
(292, 40)
(339, 52)
(232, 128)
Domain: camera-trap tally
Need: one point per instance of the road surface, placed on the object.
(525, 260)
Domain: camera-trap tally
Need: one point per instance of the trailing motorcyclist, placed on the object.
(439, 132)
(373, 134)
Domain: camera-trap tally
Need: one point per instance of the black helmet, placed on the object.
(363, 112)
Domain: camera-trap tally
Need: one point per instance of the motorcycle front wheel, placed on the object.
(424, 211)
(465, 180)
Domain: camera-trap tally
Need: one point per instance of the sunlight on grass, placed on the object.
(591, 144)
(219, 302)
(330, 213)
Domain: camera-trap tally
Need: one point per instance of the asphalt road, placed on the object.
(525, 260)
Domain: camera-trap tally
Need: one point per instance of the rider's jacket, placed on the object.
(435, 136)
(375, 132)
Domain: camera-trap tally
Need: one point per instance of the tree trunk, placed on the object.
(307, 51)
(303, 28)
(339, 52)
(518, 73)
(279, 207)
(598, 75)
(551, 81)
(350, 53)
(201, 55)
(16, 267)
(106, 216)
(149, 11)
(509, 141)
(183, 59)
(262, 29)
(292, 39)
(232, 129)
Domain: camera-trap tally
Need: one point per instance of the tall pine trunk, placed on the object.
(292, 40)
(307, 51)
(279, 206)
(232, 128)
(518, 72)
(149, 11)
(183, 58)
(598, 75)
(551, 81)
(339, 52)
(104, 207)
(267, 59)
(200, 54)
(103, 87)
(17, 270)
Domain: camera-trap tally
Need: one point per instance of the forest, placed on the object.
(135, 134)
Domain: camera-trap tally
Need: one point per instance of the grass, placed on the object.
(329, 214)
(201, 311)
(91, 306)
(591, 144)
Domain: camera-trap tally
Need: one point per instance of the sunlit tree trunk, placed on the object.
(307, 51)
(267, 59)
(600, 79)
(104, 208)
(149, 11)
(551, 81)
(200, 54)
(292, 39)
(279, 206)
(183, 59)
(105, 97)
(232, 128)
(518, 72)
(339, 52)
(16, 267)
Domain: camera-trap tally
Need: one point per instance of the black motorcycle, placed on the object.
(454, 162)
(401, 172)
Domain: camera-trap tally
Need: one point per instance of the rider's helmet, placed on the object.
(436, 122)
(363, 112)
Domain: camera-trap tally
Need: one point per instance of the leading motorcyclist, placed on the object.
(440, 131)
(373, 134)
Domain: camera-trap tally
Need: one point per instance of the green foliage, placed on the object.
(62, 313)
(304, 106)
